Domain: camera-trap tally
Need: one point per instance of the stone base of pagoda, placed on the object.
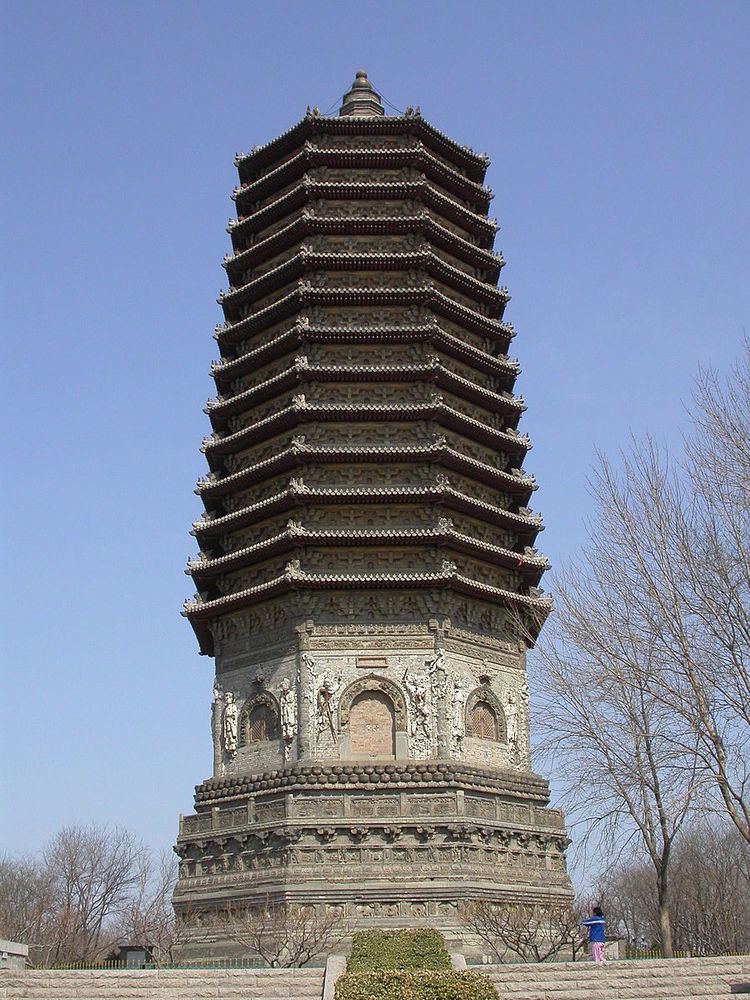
(388, 845)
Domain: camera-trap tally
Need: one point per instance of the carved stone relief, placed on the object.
(288, 703)
(420, 710)
(229, 724)
(458, 714)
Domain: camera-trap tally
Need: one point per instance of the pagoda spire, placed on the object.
(361, 100)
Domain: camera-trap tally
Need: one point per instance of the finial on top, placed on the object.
(361, 99)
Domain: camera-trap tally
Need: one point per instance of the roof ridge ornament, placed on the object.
(361, 99)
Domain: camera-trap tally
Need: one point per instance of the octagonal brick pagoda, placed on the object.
(366, 576)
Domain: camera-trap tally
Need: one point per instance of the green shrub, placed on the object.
(403, 949)
(398, 984)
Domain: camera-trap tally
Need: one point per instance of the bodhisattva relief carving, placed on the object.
(229, 725)
(322, 690)
(418, 690)
(288, 703)
(522, 756)
(458, 713)
(511, 722)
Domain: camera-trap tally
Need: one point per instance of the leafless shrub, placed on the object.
(532, 933)
(282, 934)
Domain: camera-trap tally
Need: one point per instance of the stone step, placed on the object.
(693, 983)
(622, 969)
(627, 966)
(652, 979)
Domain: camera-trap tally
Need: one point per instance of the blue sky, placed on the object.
(619, 139)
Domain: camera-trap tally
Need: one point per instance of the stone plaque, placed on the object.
(372, 662)
(372, 726)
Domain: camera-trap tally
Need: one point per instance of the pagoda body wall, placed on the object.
(367, 581)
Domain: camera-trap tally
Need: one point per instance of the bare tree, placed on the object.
(611, 741)
(532, 933)
(627, 892)
(69, 904)
(27, 904)
(677, 535)
(647, 676)
(683, 560)
(94, 870)
(710, 893)
(147, 916)
(282, 934)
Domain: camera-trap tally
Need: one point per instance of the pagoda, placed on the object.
(367, 581)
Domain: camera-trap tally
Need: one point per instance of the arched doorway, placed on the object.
(372, 725)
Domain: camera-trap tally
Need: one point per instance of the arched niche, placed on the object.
(373, 720)
(485, 718)
(259, 720)
(372, 726)
(373, 682)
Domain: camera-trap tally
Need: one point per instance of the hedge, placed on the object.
(398, 984)
(401, 949)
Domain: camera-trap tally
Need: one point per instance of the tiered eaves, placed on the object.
(364, 371)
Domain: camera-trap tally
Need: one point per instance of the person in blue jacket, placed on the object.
(595, 925)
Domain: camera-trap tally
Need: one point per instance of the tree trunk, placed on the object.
(665, 924)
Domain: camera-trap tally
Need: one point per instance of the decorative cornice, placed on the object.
(300, 371)
(310, 222)
(306, 260)
(422, 293)
(420, 191)
(516, 482)
(415, 155)
(296, 534)
(524, 522)
(509, 439)
(302, 332)
(261, 157)
(294, 577)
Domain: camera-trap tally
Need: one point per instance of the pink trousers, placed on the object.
(597, 951)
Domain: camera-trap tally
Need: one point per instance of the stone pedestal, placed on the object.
(383, 807)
